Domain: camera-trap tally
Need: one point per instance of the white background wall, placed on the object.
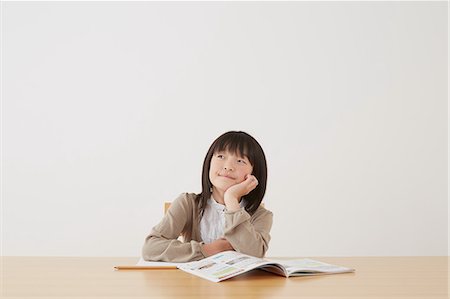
(108, 109)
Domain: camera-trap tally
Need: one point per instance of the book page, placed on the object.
(311, 267)
(223, 265)
(144, 263)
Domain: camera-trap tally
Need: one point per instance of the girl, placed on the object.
(226, 215)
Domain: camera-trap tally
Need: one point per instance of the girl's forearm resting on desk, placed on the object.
(171, 250)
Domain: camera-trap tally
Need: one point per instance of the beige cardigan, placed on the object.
(248, 234)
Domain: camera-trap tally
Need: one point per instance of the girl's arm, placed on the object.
(249, 234)
(162, 243)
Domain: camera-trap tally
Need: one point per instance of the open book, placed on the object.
(228, 264)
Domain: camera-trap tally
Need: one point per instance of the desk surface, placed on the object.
(85, 277)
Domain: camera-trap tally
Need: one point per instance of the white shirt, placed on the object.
(213, 221)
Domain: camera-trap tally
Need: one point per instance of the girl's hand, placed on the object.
(235, 192)
(216, 246)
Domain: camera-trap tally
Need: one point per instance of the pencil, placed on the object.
(145, 267)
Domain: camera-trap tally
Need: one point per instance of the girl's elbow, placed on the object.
(150, 250)
(259, 252)
(263, 251)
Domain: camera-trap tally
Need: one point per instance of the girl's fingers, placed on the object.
(251, 178)
(253, 182)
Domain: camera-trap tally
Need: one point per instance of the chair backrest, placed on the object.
(168, 203)
(167, 206)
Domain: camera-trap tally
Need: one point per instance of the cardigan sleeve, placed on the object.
(162, 243)
(249, 234)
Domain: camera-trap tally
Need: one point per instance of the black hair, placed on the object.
(242, 144)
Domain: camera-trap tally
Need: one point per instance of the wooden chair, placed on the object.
(167, 206)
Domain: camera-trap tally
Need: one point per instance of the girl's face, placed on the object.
(228, 169)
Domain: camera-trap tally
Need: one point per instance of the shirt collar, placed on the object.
(215, 205)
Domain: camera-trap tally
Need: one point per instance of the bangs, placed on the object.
(236, 144)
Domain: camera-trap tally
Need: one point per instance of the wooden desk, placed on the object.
(73, 277)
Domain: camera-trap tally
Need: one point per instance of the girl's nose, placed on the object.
(229, 168)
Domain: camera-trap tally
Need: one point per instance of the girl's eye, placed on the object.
(242, 161)
(219, 156)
